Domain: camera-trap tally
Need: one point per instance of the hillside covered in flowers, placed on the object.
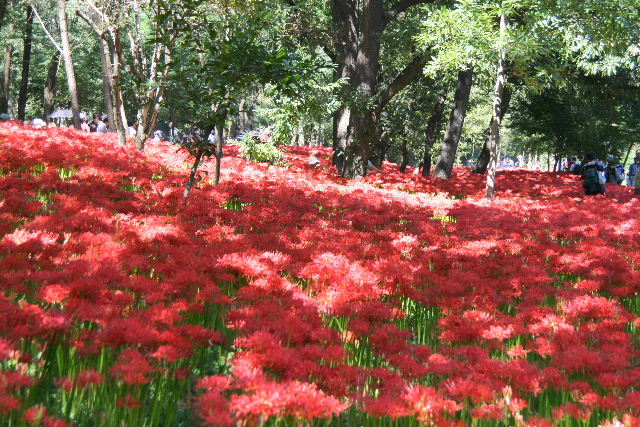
(287, 295)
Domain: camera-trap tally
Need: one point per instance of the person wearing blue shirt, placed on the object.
(633, 170)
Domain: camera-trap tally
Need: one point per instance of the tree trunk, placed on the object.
(6, 78)
(68, 62)
(405, 156)
(26, 63)
(433, 128)
(379, 149)
(116, 86)
(192, 175)
(233, 128)
(444, 167)
(357, 47)
(219, 144)
(344, 15)
(50, 88)
(106, 84)
(363, 120)
(148, 114)
(494, 136)
(483, 159)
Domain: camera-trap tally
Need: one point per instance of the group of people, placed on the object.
(99, 124)
(596, 173)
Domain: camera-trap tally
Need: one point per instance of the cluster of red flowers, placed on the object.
(290, 294)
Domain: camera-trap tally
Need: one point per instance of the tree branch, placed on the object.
(401, 7)
(410, 73)
(86, 18)
(44, 28)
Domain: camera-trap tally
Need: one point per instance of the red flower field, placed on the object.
(290, 296)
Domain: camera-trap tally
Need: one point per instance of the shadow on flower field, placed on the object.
(290, 296)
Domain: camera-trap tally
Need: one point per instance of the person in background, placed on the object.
(38, 123)
(213, 137)
(101, 125)
(314, 160)
(576, 167)
(570, 162)
(131, 129)
(173, 133)
(84, 125)
(636, 181)
(633, 169)
(614, 173)
(592, 174)
(93, 126)
(266, 134)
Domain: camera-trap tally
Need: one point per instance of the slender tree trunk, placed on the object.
(405, 156)
(68, 62)
(245, 114)
(233, 128)
(106, 84)
(219, 144)
(148, 114)
(380, 146)
(483, 159)
(626, 158)
(26, 63)
(494, 137)
(192, 175)
(433, 128)
(52, 82)
(6, 78)
(116, 86)
(444, 168)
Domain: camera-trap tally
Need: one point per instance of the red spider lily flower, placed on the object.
(132, 368)
(128, 401)
(88, 377)
(35, 415)
(8, 403)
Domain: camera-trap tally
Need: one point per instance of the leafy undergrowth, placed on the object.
(290, 296)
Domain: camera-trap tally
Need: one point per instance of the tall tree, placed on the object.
(431, 133)
(496, 120)
(26, 62)
(68, 62)
(106, 24)
(359, 29)
(6, 76)
(444, 167)
(485, 154)
(150, 74)
(52, 82)
(107, 92)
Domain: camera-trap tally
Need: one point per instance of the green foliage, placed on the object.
(260, 152)
(305, 112)
(590, 114)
